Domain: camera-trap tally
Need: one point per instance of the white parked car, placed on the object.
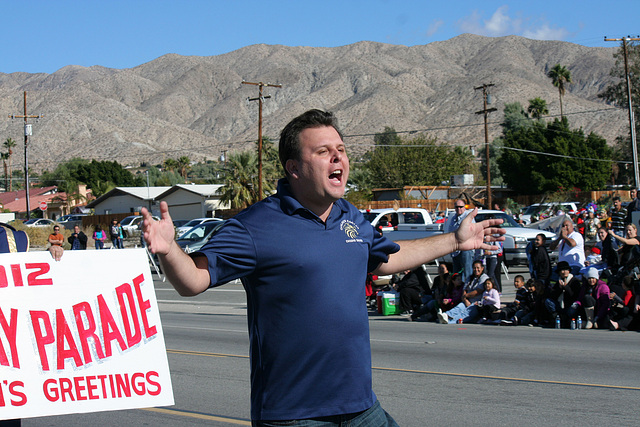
(131, 225)
(40, 222)
(189, 225)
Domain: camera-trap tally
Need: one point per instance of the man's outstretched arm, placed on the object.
(469, 236)
(189, 276)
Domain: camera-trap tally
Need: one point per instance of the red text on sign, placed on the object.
(132, 316)
(12, 391)
(101, 387)
(34, 278)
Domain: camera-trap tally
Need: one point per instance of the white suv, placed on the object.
(388, 219)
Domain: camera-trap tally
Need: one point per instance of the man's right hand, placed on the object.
(188, 276)
(159, 235)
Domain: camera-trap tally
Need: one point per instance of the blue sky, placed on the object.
(46, 35)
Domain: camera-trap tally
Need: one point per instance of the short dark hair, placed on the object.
(616, 199)
(478, 261)
(544, 238)
(289, 147)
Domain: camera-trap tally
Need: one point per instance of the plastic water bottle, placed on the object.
(558, 321)
(573, 324)
(579, 322)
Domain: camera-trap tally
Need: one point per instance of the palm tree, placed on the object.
(184, 164)
(170, 164)
(241, 180)
(560, 76)
(537, 108)
(9, 144)
(4, 157)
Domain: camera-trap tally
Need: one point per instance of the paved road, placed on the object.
(424, 373)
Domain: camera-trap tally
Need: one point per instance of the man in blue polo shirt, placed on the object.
(304, 276)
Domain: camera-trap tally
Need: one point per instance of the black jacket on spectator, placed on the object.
(541, 264)
(609, 255)
(569, 293)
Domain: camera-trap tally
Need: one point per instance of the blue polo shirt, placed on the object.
(305, 285)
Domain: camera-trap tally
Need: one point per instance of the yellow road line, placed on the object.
(198, 416)
(451, 374)
(206, 354)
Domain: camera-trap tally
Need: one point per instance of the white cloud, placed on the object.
(546, 33)
(501, 23)
(434, 27)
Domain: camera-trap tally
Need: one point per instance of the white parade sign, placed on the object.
(79, 335)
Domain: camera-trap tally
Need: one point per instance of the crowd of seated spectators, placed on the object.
(595, 283)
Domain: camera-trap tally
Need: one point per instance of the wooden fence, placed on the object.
(90, 221)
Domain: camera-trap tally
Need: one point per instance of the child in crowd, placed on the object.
(511, 308)
(525, 306)
(99, 236)
(537, 293)
(490, 303)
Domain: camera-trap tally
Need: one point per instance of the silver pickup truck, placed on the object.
(516, 240)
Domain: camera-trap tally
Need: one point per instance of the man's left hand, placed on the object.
(477, 235)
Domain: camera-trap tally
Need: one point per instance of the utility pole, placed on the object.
(27, 133)
(260, 99)
(486, 112)
(632, 127)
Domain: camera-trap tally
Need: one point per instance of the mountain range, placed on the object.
(197, 105)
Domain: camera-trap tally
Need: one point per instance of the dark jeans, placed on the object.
(410, 299)
(372, 417)
(463, 262)
(493, 268)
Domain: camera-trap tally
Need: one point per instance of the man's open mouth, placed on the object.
(337, 174)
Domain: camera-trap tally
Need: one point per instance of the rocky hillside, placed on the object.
(197, 106)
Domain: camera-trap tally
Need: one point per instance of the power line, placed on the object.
(564, 156)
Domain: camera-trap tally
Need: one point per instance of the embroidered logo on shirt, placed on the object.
(351, 230)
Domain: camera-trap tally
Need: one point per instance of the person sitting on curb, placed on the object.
(509, 311)
(563, 293)
(467, 311)
(410, 288)
(441, 285)
(490, 308)
(594, 301)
